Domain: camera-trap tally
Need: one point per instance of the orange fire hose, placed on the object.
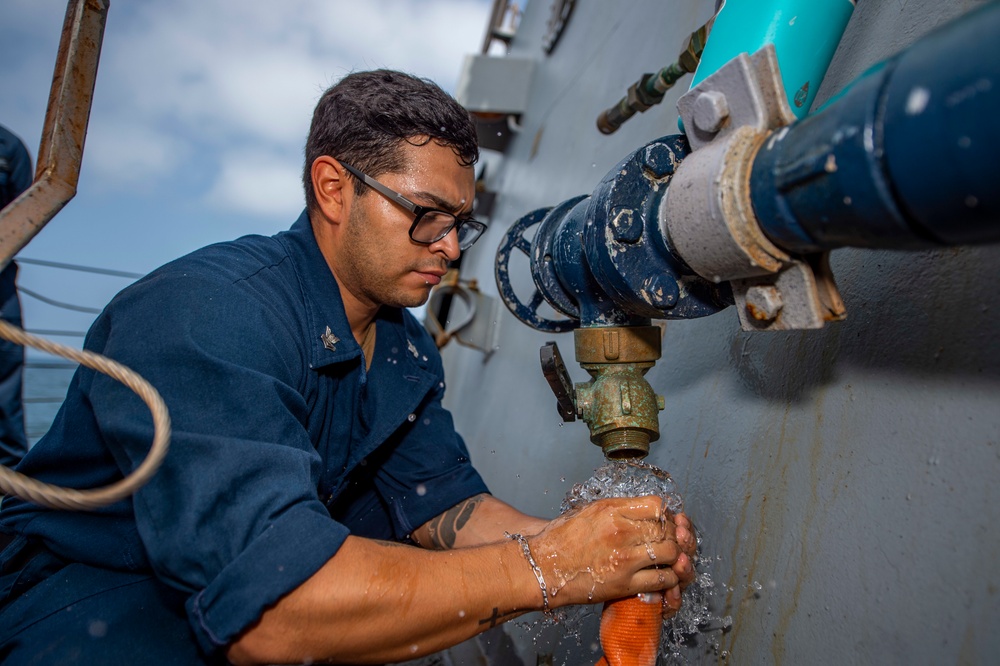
(631, 629)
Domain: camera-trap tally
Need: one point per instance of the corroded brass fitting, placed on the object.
(618, 404)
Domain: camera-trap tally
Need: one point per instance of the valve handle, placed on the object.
(559, 380)
(526, 312)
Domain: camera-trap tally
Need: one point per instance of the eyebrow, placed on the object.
(438, 202)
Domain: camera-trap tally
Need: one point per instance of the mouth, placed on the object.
(430, 277)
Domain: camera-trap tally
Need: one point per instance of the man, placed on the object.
(310, 450)
(15, 178)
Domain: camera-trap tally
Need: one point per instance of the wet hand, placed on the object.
(613, 548)
(683, 567)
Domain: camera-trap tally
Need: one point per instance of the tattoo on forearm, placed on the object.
(497, 617)
(445, 528)
(395, 544)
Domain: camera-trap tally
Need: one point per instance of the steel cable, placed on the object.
(57, 497)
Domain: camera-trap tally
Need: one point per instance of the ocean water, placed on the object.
(45, 384)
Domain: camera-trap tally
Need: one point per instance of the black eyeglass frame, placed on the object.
(419, 212)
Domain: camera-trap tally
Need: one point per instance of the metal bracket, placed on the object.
(802, 295)
(708, 216)
(478, 328)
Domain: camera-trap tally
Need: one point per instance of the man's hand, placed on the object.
(684, 566)
(615, 548)
(484, 519)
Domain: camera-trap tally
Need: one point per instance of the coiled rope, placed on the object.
(58, 497)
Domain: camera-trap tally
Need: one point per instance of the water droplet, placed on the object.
(421, 490)
(411, 418)
(98, 628)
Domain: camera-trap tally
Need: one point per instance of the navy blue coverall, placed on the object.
(15, 178)
(283, 444)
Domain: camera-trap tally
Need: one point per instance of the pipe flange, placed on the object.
(624, 246)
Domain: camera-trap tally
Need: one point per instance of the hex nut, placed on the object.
(626, 225)
(710, 111)
(764, 303)
(662, 291)
(658, 160)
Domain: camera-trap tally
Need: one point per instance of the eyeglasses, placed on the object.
(429, 224)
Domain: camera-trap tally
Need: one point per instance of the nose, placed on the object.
(448, 246)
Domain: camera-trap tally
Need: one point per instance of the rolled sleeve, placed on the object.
(281, 558)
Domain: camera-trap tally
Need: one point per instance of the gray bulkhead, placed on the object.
(850, 473)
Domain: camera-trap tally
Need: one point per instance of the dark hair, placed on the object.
(365, 117)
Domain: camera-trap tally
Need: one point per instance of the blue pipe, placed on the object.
(805, 34)
(906, 158)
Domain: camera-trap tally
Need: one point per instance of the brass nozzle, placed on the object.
(618, 404)
(627, 443)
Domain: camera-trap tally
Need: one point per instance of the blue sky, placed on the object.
(199, 117)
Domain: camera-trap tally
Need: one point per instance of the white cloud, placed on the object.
(207, 84)
(258, 183)
(130, 154)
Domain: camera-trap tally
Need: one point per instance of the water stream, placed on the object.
(696, 626)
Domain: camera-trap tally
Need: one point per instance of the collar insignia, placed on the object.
(329, 339)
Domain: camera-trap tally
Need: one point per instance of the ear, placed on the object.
(330, 186)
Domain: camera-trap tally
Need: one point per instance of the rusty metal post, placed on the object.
(65, 129)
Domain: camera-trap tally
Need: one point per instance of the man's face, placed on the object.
(379, 263)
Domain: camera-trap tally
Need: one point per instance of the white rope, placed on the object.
(57, 497)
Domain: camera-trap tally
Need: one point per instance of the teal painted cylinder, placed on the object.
(805, 34)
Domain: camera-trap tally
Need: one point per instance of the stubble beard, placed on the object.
(364, 262)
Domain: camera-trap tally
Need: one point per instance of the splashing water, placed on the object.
(695, 620)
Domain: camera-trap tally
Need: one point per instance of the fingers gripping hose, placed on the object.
(631, 629)
(56, 497)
